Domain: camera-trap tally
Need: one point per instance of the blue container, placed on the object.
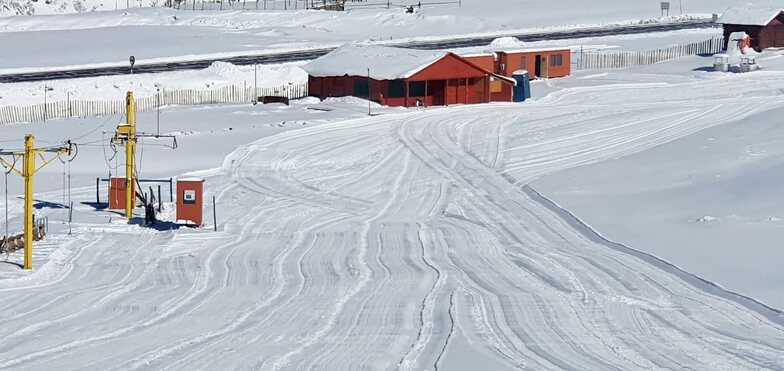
(522, 89)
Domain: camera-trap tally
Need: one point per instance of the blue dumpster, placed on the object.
(522, 89)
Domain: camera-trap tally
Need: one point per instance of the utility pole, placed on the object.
(158, 109)
(28, 171)
(47, 89)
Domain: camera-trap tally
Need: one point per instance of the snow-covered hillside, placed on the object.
(409, 240)
(568, 10)
(624, 219)
(149, 33)
(43, 7)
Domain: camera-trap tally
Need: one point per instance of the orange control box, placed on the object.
(189, 201)
(117, 193)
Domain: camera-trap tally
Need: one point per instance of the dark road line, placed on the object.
(304, 55)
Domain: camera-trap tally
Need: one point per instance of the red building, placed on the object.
(765, 26)
(539, 63)
(405, 77)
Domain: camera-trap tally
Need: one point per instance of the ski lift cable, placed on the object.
(141, 158)
(93, 130)
(6, 194)
(108, 160)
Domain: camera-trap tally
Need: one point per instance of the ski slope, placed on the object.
(381, 242)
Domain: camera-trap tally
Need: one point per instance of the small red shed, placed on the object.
(117, 193)
(190, 202)
(405, 77)
(765, 26)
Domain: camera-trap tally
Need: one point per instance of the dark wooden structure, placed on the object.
(765, 27)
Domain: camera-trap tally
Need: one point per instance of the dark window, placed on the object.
(361, 88)
(397, 89)
(416, 89)
(556, 60)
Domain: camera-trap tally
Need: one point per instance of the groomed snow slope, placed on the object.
(369, 244)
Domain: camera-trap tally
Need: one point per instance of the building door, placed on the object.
(455, 91)
(451, 92)
(436, 89)
(778, 38)
(538, 66)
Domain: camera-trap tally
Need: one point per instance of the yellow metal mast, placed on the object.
(126, 134)
(28, 171)
(130, 154)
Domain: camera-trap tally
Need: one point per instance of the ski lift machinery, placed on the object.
(127, 135)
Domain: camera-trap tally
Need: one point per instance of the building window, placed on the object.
(416, 89)
(361, 88)
(524, 63)
(397, 89)
(496, 86)
(556, 60)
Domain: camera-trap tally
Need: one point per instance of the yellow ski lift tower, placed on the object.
(28, 171)
(126, 133)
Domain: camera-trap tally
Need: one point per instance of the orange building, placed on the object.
(540, 63)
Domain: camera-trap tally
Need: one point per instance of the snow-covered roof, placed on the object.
(750, 16)
(476, 54)
(532, 50)
(385, 63)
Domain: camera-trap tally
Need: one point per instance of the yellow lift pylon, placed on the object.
(28, 171)
(126, 134)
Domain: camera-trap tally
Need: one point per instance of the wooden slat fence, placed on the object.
(609, 60)
(236, 94)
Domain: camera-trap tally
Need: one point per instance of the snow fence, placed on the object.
(609, 60)
(232, 94)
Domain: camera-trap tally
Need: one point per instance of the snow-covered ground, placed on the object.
(223, 74)
(707, 202)
(475, 11)
(154, 33)
(413, 239)
(218, 75)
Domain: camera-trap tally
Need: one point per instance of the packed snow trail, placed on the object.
(365, 244)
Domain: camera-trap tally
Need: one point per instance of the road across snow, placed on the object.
(376, 242)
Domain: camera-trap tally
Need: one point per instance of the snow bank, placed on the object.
(506, 42)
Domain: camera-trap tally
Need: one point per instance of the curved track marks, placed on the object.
(365, 244)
